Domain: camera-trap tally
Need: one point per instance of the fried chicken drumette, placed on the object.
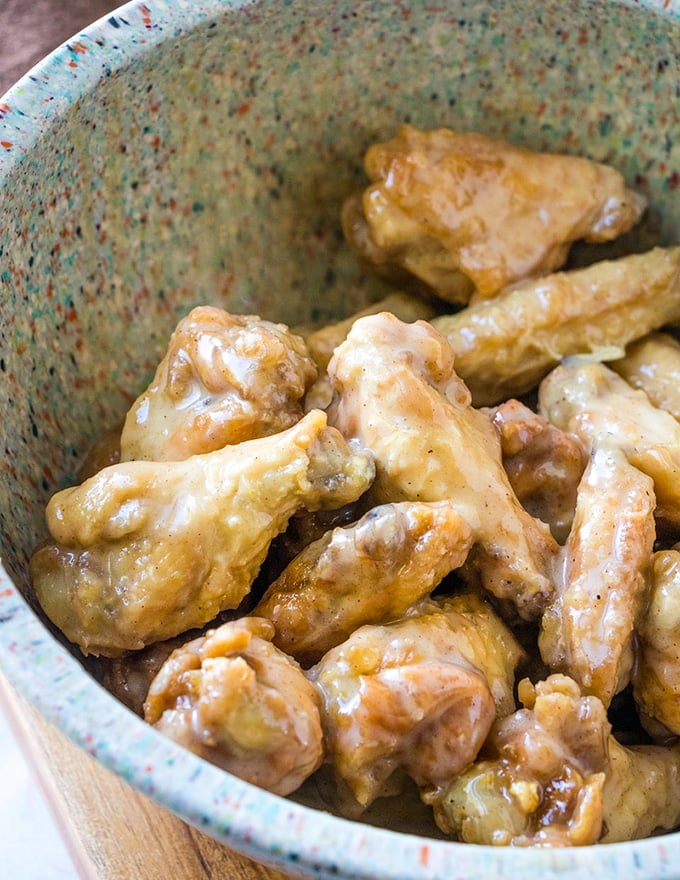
(145, 550)
(224, 379)
(233, 698)
(552, 774)
(398, 393)
(417, 695)
(371, 571)
(656, 680)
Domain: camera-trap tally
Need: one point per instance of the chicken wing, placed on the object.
(587, 631)
(323, 341)
(417, 695)
(397, 392)
(369, 572)
(146, 550)
(553, 775)
(463, 211)
(234, 699)
(544, 465)
(224, 379)
(656, 683)
(653, 365)
(592, 401)
(408, 307)
(504, 347)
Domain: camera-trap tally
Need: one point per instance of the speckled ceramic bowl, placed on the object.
(189, 151)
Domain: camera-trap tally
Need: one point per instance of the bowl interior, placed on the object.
(170, 156)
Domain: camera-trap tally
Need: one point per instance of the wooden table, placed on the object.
(101, 817)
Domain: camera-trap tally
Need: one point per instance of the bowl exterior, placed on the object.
(181, 153)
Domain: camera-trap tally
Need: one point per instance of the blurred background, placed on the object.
(28, 31)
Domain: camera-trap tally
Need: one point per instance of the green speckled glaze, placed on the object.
(185, 152)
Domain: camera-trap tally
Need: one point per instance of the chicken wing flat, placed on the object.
(464, 212)
(144, 551)
(224, 379)
(398, 393)
(652, 364)
(369, 572)
(234, 699)
(544, 465)
(504, 347)
(553, 775)
(587, 632)
(656, 682)
(592, 401)
(417, 695)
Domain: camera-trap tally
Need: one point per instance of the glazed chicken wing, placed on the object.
(587, 631)
(544, 465)
(146, 550)
(417, 695)
(397, 392)
(323, 341)
(653, 365)
(553, 775)
(408, 307)
(504, 347)
(224, 379)
(369, 572)
(656, 682)
(234, 699)
(592, 401)
(464, 212)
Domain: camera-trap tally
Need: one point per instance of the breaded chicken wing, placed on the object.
(224, 379)
(504, 347)
(652, 364)
(408, 307)
(592, 401)
(234, 699)
(656, 683)
(641, 793)
(369, 572)
(463, 211)
(544, 465)
(417, 695)
(587, 632)
(146, 550)
(398, 393)
(323, 341)
(553, 775)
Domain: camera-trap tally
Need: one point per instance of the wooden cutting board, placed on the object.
(112, 831)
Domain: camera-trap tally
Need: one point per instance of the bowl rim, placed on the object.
(263, 826)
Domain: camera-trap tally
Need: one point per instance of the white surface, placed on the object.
(31, 847)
